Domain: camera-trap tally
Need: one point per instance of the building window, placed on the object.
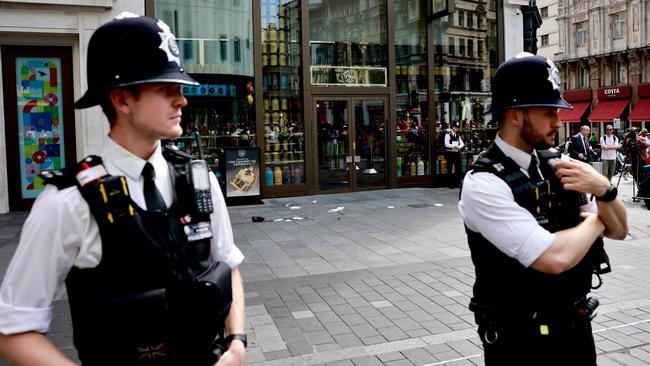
(462, 83)
(582, 78)
(544, 12)
(223, 41)
(618, 25)
(619, 73)
(544, 40)
(461, 18)
(237, 49)
(452, 46)
(581, 33)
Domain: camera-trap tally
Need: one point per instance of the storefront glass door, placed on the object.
(351, 143)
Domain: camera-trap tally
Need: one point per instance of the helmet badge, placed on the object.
(553, 75)
(168, 43)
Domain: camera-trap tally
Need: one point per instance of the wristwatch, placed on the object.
(610, 195)
(238, 336)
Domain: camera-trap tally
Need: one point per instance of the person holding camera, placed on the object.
(139, 234)
(534, 235)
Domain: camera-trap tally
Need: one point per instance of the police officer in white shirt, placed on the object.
(139, 234)
(533, 249)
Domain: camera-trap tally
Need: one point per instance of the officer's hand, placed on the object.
(581, 177)
(234, 356)
(590, 218)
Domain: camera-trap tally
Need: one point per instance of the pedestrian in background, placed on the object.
(534, 250)
(140, 234)
(579, 147)
(608, 148)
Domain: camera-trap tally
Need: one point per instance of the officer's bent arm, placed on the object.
(570, 246)
(614, 216)
(31, 349)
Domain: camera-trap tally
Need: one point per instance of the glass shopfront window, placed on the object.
(412, 93)
(349, 43)
(216, 44)
(462, 80)
(209, 33)
(284, 142)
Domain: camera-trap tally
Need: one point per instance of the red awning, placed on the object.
(641, 111)
(575, 114)
(607, 110)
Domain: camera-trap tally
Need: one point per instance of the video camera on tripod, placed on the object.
(640, 169)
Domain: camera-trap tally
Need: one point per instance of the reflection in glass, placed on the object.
(207, 34)
(284, 148)
(370, 137)
(412, 93)
(333, 145)
(220, 111)
(348, 42)
(465, 49)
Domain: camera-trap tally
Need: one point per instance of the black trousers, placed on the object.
(453, 168)
(561, 342)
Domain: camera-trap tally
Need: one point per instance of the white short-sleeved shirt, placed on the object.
(608, 154)
(488, 207)
(61, 233)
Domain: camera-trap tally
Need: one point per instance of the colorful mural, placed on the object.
(40, 120)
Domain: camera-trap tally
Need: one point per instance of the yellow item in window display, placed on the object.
(244, 179)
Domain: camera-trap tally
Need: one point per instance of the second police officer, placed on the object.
(140, 234)
(533, 227)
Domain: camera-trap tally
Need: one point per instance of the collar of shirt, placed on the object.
(120, 161)
(520, 157)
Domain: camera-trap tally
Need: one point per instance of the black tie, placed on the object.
(533, 172)
(152, 195)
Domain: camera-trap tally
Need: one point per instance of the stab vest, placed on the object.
(453, 138)
(155, 298)
(501, 281)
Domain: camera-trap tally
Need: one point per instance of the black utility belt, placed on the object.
(585, 307)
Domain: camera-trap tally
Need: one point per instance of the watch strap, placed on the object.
(609, 195)
(237, 336)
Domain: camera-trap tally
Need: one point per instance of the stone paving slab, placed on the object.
(384, 281)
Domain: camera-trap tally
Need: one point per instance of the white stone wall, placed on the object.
(513, 27)
(60, 23)
(549, 27)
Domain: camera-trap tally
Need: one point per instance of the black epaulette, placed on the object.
(174, 155)
(67, 177)
(494, 161)
(62, 179)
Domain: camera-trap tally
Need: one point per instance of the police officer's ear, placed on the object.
(514, 117)
(123, 99)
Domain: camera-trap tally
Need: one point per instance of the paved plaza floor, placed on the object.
(384, 278)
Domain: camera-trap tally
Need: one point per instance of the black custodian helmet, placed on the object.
(131, 50)
(527, 80)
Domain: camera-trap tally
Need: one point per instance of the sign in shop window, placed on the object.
(40, 120)
(242, 172)
(348, 75)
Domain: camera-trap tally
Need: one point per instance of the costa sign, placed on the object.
(614, 92)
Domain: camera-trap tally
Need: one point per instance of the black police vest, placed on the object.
(453, 138)
(155, 298)
(504, 283)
